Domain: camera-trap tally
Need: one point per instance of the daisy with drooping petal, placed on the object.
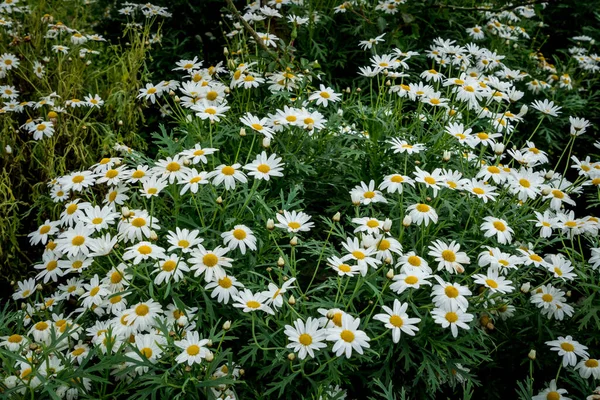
(560, 267)
(152, 186)
(99, 218)
(324, 95)
(453, 317)
(259, 125)
(448, 256)
(588, 367)
(50, 268)
(348, 337)
(228, 175)
(366, 194)
(224, 288)
(402, 146)
(413, 279)
(210, 262)
(143, 314)
(137, 226)
(398, 320)
(143, 251)
(422, 213)
(170, 268)
(498, 227)
(430, 180)
(250, 302)
(568, 349)
(306, 337)
(240, 236)
(295, 221)
(546, 107)
(494, 282)
(171, 168)
(192, 179)
(552, 392)
(26, 288)
(184, 239)
(264, 167)
(194, 349)
(48, 228)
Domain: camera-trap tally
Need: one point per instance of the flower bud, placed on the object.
(348, 90)
(153, 236)
(294, 241)
(171, 93)
(266, 142)
(186, 162)
(417, 162)
(177, 99)
(355, 199)
(292, 300)
(358, 89)
(387, 260)
(227, 325)
(225, 51)
(446, 156)
(387, 224)
(525, 287)
(38, 287)
(310, 126)
(269, 269)
(390, 274)
(336, 217)
(490, 326)
(52, 114)
(210, 356)
(242, 132)
(270, 224)
(280, 262)
(531, 354)
(291, 356)
(407, 221)
(499, 148)
(546, 191)
(459, 268)
(523, 110)
(549, 175)
(8, 149)
(219, 200)
(120, 123)
(182, 321)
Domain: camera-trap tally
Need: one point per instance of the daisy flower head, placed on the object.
(171, 168)
(26, 288)
(453, 317)
(480, 190)
(546, 107)
(402, 146)
(364, 257)
(147, 349)
(137, 226)
(560, 267)
(76, 240)
(348, 337)
(224, 288)
(143, 314)
(411, 261)
(430, 180)
(421, 213)
(48, 228)
(568, 349)
(274, 294)
(210, 262)
(447, 295)
(398, 320)
(494, 282)
(240, 236)
(552, 392)
(448, 256)
(153, 185)
(497, 227)
(192, 180)
(325, 95)
(295, 221)
(305, 338)
(264, 167)
(143, 251)
(194, 349)
(94, 294)
(412, 279)
(198, 154)
(366, 194)
(259, 125)
(394, 183)
(588, 367)
(250, 302)
(368, 225)
(228, 175)
(170, 268)
(77, 181)
(341, 267)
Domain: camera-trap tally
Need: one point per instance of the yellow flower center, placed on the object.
(51, 266)
(429, 180)
(111, 173)
(451, 317)
(78, 351)
(138, 222)
(567, 347)
(325, 95)
(448, 255)
(344, 268)
(499, 226)
(169, 265)
(411, 279)
(239, 234)
(451, 292)
(347, 336)
(369, 194)
(151, 91)
(384, 245)
(173, 166)
(305, 339)
(146, 352)
(414, 261)
(524, 182)
(225, 282)
(372, 223)
(264, 168)
(491, 283)
(253, 304)
(71, 209)
(397, 179)
(138, 174)
(535, 257)
(144, 249)
(97, 221)
(41, 326)
(478, 191)
(193, 350)
(15, 338)
(227, 170)
(547, 297)
(558, 194)
(591, 363)
(337, 319)
(423, 208)
(396, 321)
(294, 225)
(359, 255)
(142, 310)
(78, 240)
(210, 260)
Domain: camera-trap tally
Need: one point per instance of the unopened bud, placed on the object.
(225, 51)
(531, 354)
(294, 241)
(269, 269)
(177, 99)
(120, 123)
(186, 162)
(270, 224)
(292, 300)
(546, 191)
(499, 148)
(568, 293)
(219, 200)
(355, 199)
(525, 287)
(8, 149)
(390, 274)
(330, 314)
(523, 110)
(242, 372)
(38, 286)
(182, 321)
(280, 262)
(153, 236)
(210, 356)
(310, 126)
(446, 156)
(358, 89)
(348, 90)
(459, 269)
(227, 325)
(407, 221)
(242, 132)
(490, 326)
(336, 217)
(387, 224)
(417, 162)
(291, 356)
(171, 93)
(266, 142)
(387, 260)
(549, 175)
